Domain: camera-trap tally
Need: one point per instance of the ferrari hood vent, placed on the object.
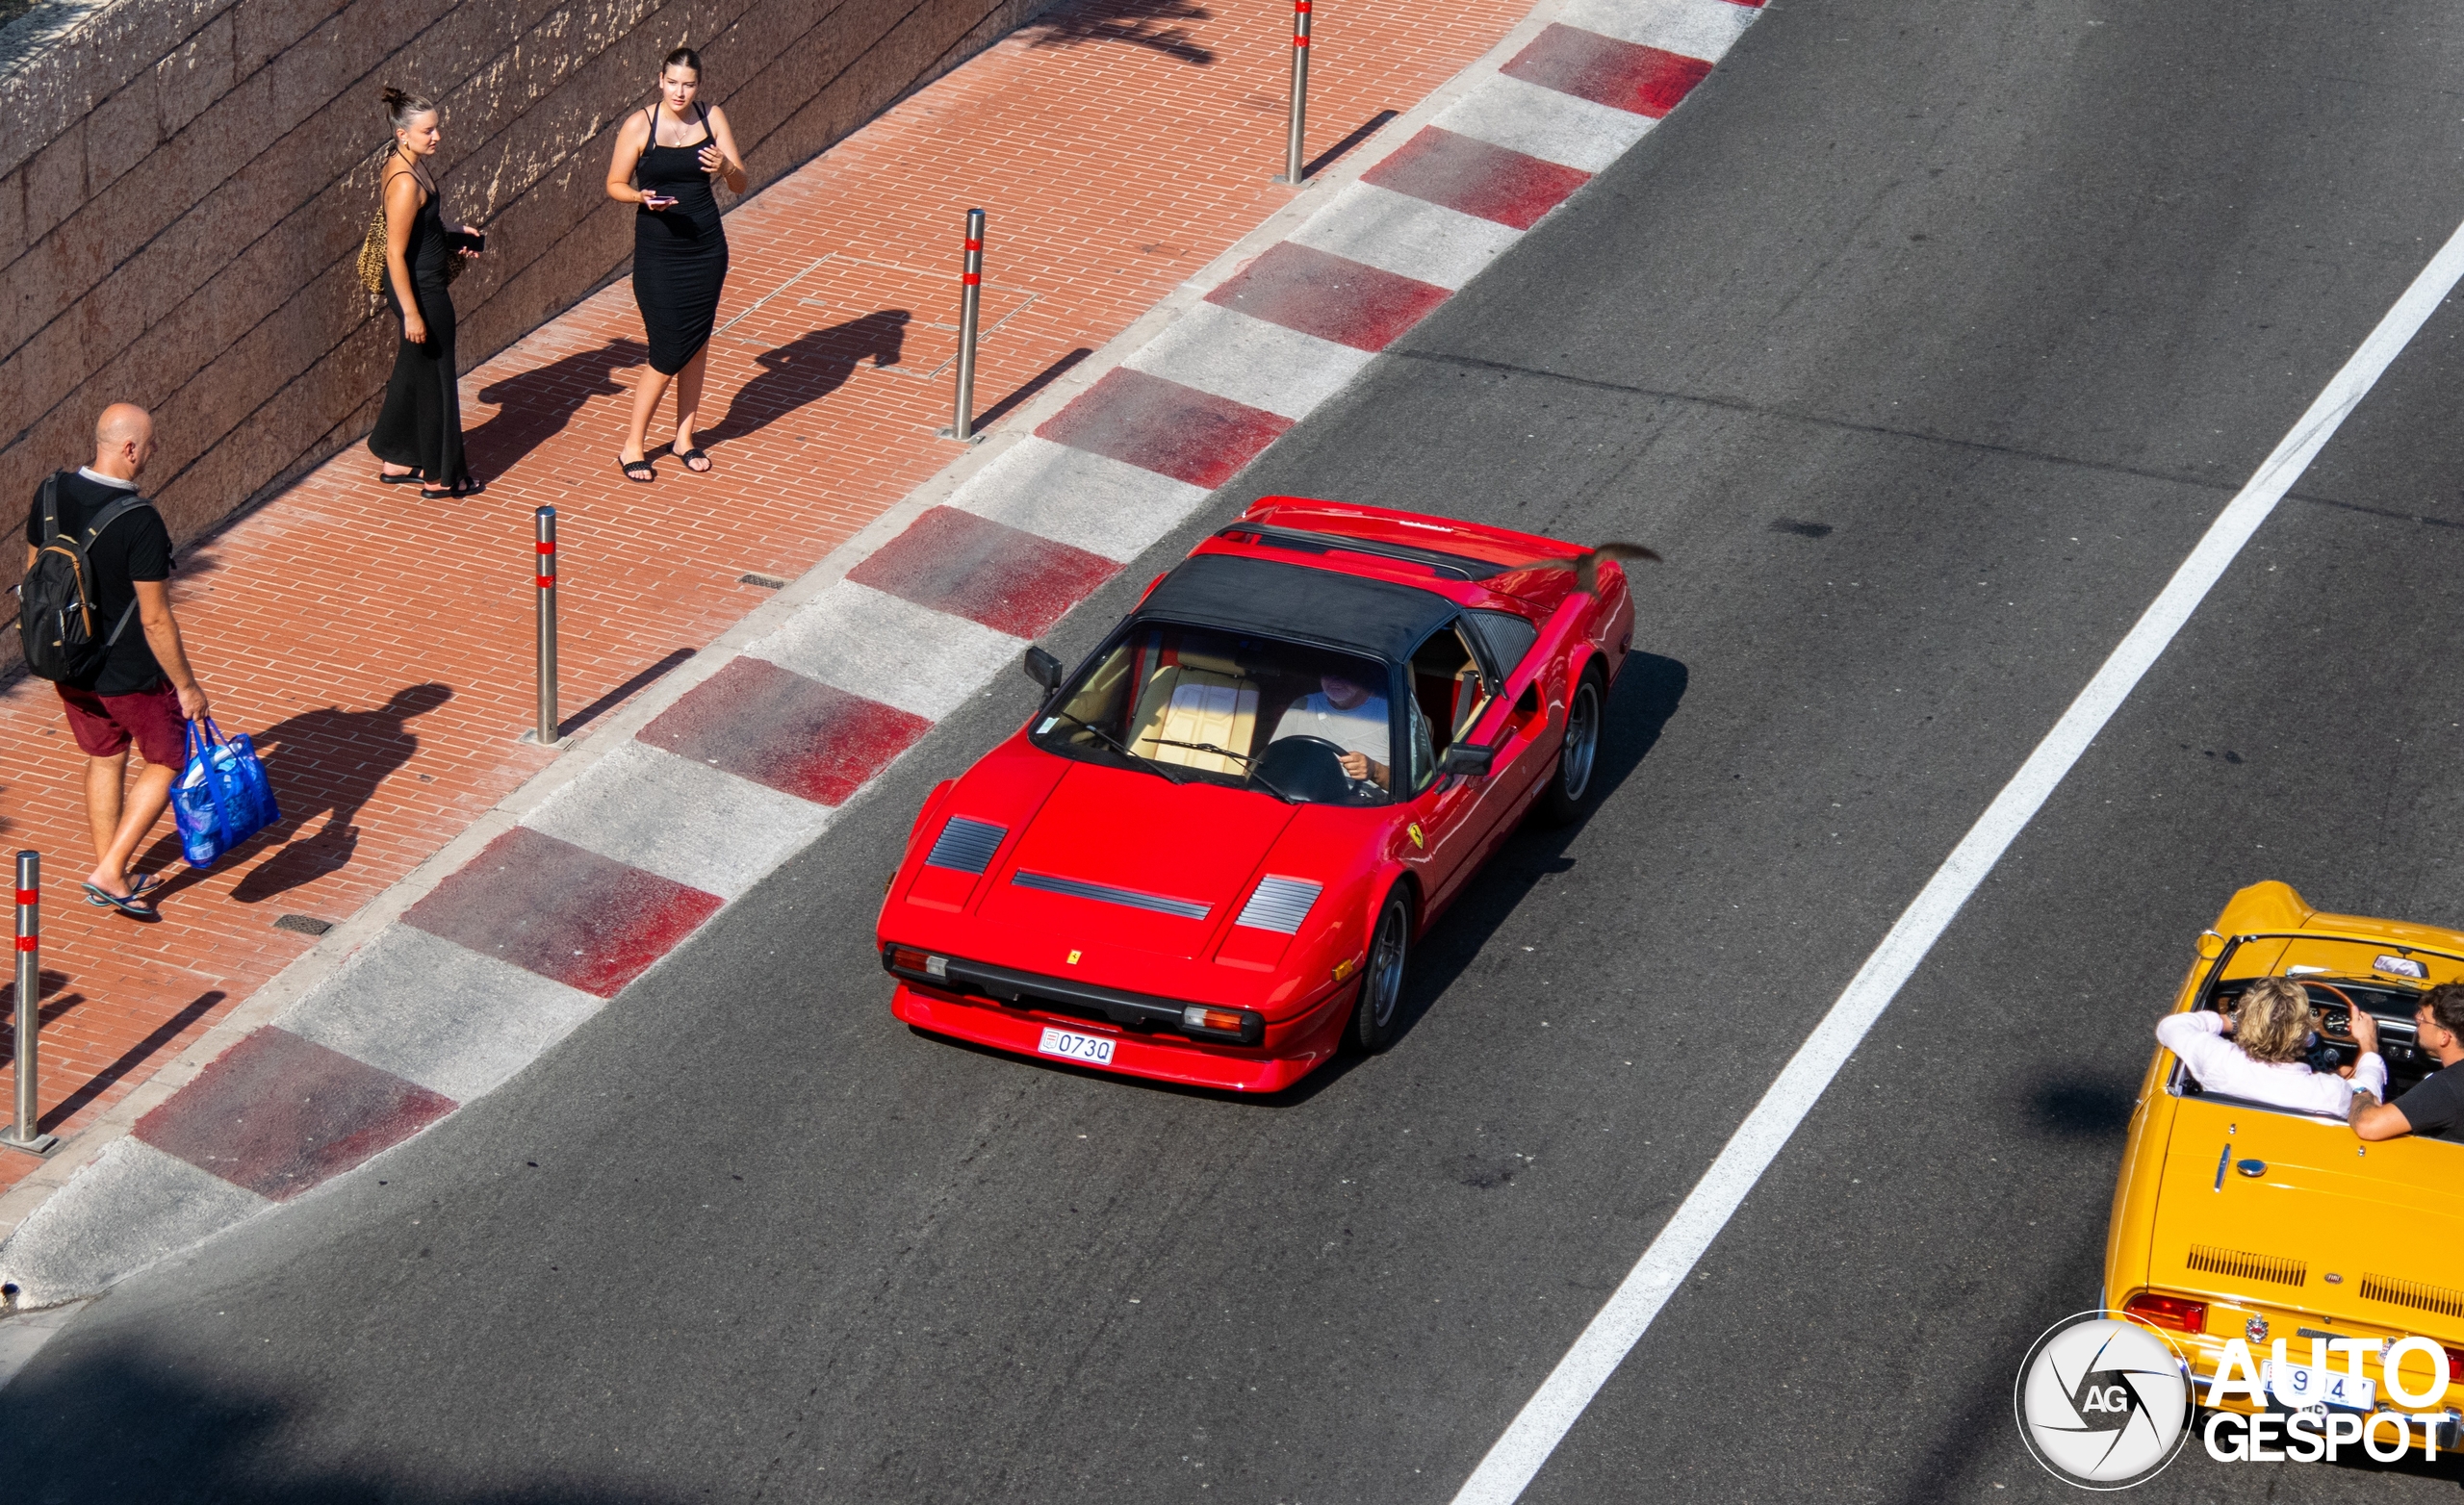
(966, 845)
(1280, 904)
(2273, 1269)
(2413, 1293)
(1110, 893)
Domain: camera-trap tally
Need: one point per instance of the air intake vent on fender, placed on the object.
(966, 845)
(2412, 1294)
(2248, 1266)
(1280, 903)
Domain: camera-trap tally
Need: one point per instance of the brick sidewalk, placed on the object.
(377, 647)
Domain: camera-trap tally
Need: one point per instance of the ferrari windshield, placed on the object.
(1301, 724)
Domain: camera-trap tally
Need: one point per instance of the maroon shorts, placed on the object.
(104, 725)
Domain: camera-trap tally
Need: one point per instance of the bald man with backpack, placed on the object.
(94, 614)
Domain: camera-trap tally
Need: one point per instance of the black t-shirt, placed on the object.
(2435, 1105)
(136, 548)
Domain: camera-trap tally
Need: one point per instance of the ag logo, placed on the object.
(2102, 1403)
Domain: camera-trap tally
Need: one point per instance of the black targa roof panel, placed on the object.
(1295, 601)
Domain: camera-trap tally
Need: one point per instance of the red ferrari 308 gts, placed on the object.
(1207, 857)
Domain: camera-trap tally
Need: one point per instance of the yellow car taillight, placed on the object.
(2179, 1313)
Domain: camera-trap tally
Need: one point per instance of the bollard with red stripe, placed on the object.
(970, 292)
(547, 731)
(26, 1132)
(1299, 129)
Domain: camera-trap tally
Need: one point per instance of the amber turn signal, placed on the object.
(1226, 1020)
(2180, 1313)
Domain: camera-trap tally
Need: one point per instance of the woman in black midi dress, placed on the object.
(666, 158)
(418, 431)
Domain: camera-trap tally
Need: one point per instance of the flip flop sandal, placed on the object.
(125, 904)
(406, 479)
(650, 471)
(688, 457)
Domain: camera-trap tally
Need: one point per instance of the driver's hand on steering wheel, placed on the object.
(1359, 767)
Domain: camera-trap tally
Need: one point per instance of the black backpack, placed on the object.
(55, 600)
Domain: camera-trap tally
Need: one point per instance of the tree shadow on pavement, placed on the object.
(114, 1423)
(327, 762)
(1141, 23)
(810, 368)
(535, 405)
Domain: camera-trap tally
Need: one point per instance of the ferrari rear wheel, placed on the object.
(1570, 783)
(1381, 1005)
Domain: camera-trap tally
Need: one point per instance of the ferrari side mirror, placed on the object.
(1470, 761)
(1043, 668)
(2210, 945)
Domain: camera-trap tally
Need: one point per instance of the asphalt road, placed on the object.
(1925, 340)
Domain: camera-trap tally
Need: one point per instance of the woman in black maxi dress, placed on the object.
(665, 160)
(418, 431)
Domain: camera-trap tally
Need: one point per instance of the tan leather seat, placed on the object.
(1195, 701)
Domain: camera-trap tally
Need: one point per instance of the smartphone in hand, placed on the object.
(474, 242)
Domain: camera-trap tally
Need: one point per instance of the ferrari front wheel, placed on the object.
(1570, 783)
(1381, 1005)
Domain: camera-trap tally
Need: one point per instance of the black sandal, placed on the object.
(406, 479)
(688, 457)
(650, 471)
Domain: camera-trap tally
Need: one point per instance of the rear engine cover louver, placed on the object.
(966, 845)
(2413, 1293)
(2244, 1266)
(1280, 904)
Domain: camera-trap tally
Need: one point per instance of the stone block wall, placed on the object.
(184, 185)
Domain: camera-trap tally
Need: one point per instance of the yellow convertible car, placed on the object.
(2323, 1256)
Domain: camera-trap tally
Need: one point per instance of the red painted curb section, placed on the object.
(1331, 297)
(1619, 74)
(776, 728)
(1162, 426)
(561, 912)
(1471, 175)
(987, 572)
(277, 1114)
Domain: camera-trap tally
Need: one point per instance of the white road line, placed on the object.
(1544, 1419)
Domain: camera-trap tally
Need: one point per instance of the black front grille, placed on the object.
(1137, 1012)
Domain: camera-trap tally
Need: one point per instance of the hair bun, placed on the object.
(393, 97)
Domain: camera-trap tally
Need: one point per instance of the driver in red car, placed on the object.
(1350, 716)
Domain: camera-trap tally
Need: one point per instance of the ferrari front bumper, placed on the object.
(1289, 1052)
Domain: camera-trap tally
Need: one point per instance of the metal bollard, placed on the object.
(970, 293)
(26, 1133)
(1292, 146)
(546, 518)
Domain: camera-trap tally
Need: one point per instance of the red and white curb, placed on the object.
(525, 926)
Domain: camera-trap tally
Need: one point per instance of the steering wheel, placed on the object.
(2318, 1013)
(1312, 768)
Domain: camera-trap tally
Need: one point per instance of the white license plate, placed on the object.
(2300, 1386)
(1095, 1050)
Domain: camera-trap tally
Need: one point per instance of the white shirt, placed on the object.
(1361, 729)
(100, 479)
(2222, 1066)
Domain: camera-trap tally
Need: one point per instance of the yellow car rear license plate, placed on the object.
(1095, 1050)
(2300, 1386)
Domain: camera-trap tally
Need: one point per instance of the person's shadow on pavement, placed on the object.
(326, 762)
(810, 368)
